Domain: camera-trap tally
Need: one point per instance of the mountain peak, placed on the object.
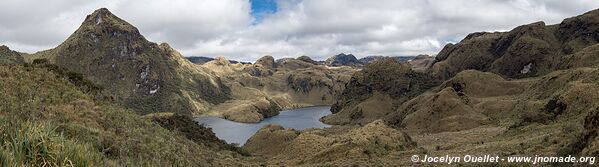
(4, 47)
(103, 18)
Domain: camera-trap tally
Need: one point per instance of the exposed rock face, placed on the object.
(343, 60)
(366, 145)
(266, 62)
(588, 143)
(528, 50)
(140, 74)
(8, 56)
(377, 90)
(421, 62)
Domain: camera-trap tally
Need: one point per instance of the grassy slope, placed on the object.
(8, 56)
(65, 126)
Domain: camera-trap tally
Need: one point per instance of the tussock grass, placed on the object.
(32, 144)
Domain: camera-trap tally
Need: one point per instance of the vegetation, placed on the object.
(386, 79)
(32, 144)
(141, 75)
(46, 119)
(8, 57)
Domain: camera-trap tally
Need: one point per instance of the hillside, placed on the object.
(530, 91)
(48, 117)
(141, 75)
(374, 144)
(377, 90)
(8, 56)
(529, 50)
(262, 89)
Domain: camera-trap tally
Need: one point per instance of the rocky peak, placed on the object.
(266, 62)
(221, 61)
(4, 48)
(102, 25)
(343, 60)
(142, 75)
(103, 18)
(306, 59)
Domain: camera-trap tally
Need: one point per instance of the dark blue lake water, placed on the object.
(235, 132)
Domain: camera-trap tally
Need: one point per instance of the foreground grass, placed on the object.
(31, 144)
(47, 119)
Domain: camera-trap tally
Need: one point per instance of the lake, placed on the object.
(235, 132)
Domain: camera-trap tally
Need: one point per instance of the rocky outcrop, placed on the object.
(343, 60)
(293, 64)
(266, 62)
(9, 57)
(529, 50)
(377, 90)
(306, 59)
(421, 62)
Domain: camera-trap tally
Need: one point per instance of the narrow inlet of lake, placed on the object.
(298, 119)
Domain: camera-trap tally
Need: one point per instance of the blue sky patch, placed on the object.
(261, 8)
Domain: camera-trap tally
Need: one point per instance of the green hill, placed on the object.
(141, 75)
(47, 118)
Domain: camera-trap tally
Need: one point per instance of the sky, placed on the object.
(246, 30)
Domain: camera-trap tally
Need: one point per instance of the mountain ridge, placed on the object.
(144, 76)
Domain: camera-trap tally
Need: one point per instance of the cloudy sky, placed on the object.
(247, 29)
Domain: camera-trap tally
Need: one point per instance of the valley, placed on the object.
(107, 96)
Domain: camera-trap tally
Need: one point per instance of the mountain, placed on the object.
(529, 50)
(262, 89)
(202, 60)
(377, 90)
(343, 60)
(8, 56)
(141, 75)
(532, 90)
(306, 59)
(350, 60)
(421, 62)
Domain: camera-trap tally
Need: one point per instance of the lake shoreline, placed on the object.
(237, 132)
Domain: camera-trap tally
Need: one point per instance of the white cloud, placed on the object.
(301, 27)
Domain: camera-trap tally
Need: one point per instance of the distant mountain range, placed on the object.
(333, 61)
(202, 60)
